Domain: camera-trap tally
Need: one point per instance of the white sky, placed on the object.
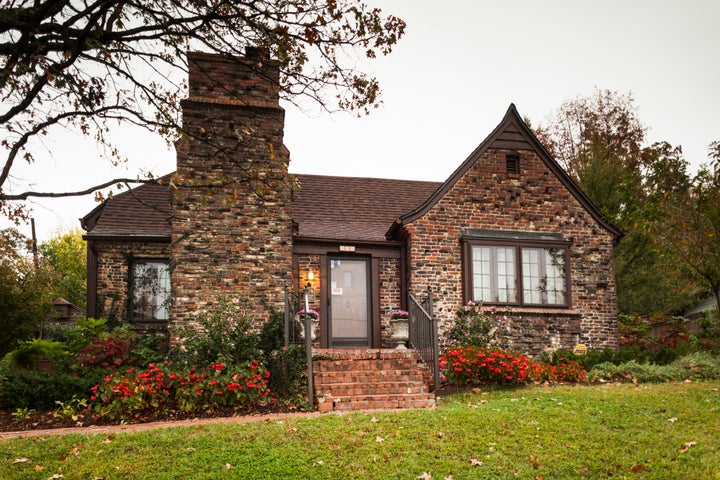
(452, 77)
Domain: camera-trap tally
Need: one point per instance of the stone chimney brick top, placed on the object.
(252, 80)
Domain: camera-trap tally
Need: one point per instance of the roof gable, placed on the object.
(513, 134)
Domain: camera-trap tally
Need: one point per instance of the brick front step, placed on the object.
(370, 379)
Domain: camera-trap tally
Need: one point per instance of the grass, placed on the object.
(659, 431)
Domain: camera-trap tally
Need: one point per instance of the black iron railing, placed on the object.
(423, 332)
(298, 306)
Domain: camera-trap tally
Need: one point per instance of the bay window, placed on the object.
(526, 269)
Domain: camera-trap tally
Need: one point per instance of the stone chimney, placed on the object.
(231, 225)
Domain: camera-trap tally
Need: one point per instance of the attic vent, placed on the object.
(512, 163)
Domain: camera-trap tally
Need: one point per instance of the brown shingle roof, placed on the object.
(354, 208)
(143, 211)
(325, 207)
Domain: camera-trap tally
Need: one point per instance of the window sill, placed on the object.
(528, 310)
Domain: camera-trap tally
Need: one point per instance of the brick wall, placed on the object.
(231, 227)
(487, 197)
(113, 260)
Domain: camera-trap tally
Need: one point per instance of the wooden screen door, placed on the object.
(349, 319)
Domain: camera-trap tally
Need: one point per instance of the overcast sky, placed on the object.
(452, 77)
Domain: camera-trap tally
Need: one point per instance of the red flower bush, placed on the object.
(160, 389)
(477, 366)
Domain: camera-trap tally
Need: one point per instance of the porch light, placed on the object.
(311, 274)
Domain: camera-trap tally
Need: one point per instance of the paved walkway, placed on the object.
(136, 427)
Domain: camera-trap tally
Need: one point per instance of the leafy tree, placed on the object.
(600, 141)
(67, 257)
(88, 66)
(684, 217)
(25, 293)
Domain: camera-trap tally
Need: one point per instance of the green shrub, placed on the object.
(86, 330)
(699, 365)
(288, 368)
(26, 356)
(222, 334)
(475, 327)
(40, 390)
(635, 372)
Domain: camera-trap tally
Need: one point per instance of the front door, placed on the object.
(349, 313)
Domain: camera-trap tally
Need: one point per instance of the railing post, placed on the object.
(286, 326)
(308, 348)
(434, 335)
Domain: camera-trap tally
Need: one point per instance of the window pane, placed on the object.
(543, 276)
(494, 274)
(555, 275)
(151, 291)
(506, 274)
(482, 273)
(532, 292)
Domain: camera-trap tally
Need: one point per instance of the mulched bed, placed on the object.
(46, 419)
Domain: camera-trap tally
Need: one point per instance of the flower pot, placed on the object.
(314, 322)
(400, 331)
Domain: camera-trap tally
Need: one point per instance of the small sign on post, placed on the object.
(580, 349)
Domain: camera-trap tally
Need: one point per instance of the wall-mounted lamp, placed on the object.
(311, 274)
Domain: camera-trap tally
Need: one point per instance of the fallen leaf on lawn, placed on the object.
(190, 449)
(319, 462)
(57, 475)
(672, 420)
(374, 420)
(21, 460)
(200, 427)
(583, 470)
(477, 390)
(361, 433)
(533, 422)
(449, 477)
(97, 454)
(335, 447)
(440, 434)
(687, 446)
(534, 462)
(107, 440)
(228, 466)
(425, 476)
(38, 468)
(638, 468)
(475, 462)
(379, 439)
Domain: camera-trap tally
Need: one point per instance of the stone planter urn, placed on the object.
(400, 323)
(314, 322)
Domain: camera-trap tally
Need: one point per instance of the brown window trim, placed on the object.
(519, 241)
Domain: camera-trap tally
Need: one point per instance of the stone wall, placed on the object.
(487, 197)
(231, 227)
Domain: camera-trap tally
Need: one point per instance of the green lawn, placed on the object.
(668, 431)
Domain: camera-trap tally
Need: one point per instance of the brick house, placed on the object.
(508, 228)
